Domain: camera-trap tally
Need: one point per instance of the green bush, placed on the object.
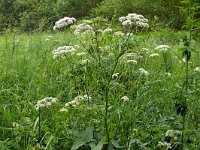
(166, 11)
(39, 15)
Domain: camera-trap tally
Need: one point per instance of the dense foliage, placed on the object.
(104, 78)
(29, 15)
(163, 11)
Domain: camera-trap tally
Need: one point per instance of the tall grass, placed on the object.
(29, 73)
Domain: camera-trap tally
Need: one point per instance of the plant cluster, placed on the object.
(99, 87)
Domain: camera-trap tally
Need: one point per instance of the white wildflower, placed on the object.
(135, 20)
(83, 29)
(130, 54)
(127, 23)
(197, 69)
(154, 55)
(118, 33)
(164, 145)
(63, 22)
(155, 17)
(86, 97)
(63, 110)
(133, 17)
(142, 24)
(162, 48)
(96, 121)
(77, 100)
(15, 125)
(168, 74)
(45, 102)
(115, 75)
(122, 19)
(125, 98)
(132, 61)
(184, 59)
(100, 30)
(106, 31)
(173, 133)
(145, 49)
(85, 61)
(129, 34)
(62, 51)
(144, 72)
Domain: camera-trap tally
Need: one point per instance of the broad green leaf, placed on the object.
(99, 146)
(92, 145)
(87, 135)
(77, 144)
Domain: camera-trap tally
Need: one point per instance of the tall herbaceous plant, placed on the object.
(190, 9)
(98, 53)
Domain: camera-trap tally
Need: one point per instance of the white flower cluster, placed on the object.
(134, 19)
(85, 61)
(132, 61)
(197, 69)
(162, 48)
(118, 33)
(143, 72)
(83, 29)
(63, 22)
(16, 125)
(145, 49)
(62, 51)
(130, 58)
(45, 102)
(154, 55)
(107, 31)
(173, 133)
(115, 75)
(77, 100)
(164, 145)
(129, 34)
(81, 54)
(125, 98)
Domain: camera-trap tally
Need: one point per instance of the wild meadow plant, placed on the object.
(98, 87)
(95, 35)
(183, 105)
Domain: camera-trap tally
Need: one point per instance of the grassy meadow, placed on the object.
(111, 92)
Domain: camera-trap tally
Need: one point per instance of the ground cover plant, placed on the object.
(93, 85)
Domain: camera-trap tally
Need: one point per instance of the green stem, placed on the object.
(39, 124)
(187, 77)
(107, 87)
(106, 115)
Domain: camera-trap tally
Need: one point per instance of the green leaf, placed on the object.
(116, 144)
(92, 145)
(77, 144)
(99, 146)
(87, 135)
(49, 141)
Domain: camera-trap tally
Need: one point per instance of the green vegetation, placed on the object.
(39, 15)
(118, 81)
